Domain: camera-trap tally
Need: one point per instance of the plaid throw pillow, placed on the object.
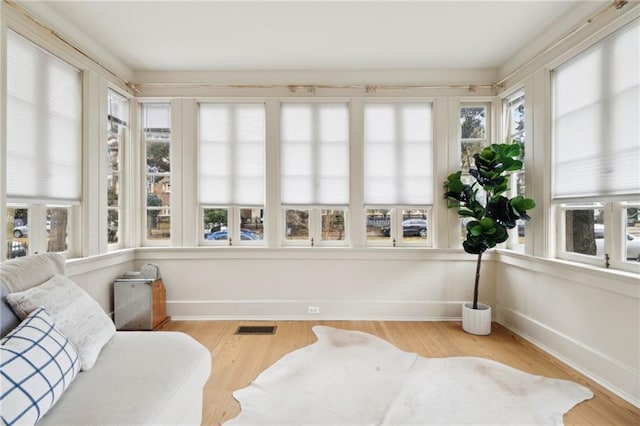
(37, 364)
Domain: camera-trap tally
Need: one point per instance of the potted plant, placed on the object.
(490, 215)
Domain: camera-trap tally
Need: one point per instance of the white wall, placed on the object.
(587, 317)
(344, 283)
(96, 274)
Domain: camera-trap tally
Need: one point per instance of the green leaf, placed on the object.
(521, 204)
(471, 248)
(515, 165)
(487, 154)
(486, 222)
(512, 149)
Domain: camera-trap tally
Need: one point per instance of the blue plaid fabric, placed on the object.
(37, 364)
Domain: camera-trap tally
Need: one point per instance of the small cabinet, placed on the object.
(139, 304)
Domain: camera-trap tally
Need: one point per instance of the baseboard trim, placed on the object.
(270, 310)
(588, 361)
(310, 318)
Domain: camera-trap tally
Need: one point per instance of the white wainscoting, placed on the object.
(359, 284)
(587, 317)
(96, 274)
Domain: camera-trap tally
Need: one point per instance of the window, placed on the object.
(596, 151)
(315, 172)
(18, 222)
(156, 133)
(513, 109)
(117, 118)
(473, 131)
(44, 147)
(474, 136)
(231, 172)
(631, 223)
(57, 226)
(398, 169)
(584, 231)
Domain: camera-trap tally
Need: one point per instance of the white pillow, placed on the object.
(76, 314)
(38, 364)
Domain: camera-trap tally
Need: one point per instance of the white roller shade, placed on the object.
(44, 125)
(232, 154)
(118, 107)
(157, 116)
(596, 120)
(315, 154)
(398, 143)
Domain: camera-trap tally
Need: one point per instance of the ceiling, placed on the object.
(305, 35)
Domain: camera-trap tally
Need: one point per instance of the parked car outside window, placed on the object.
(245, 234)
(23, 230)
(17, 249)
(410, 228)
(632, 243)
(20, 231)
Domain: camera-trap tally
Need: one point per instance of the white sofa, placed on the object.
(143, 377)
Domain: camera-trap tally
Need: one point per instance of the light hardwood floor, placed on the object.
(238, 359)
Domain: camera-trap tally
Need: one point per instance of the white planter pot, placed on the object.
(476, 321)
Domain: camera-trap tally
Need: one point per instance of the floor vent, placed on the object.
(256, 329)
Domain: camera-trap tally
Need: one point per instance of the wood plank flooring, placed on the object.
(238, 359)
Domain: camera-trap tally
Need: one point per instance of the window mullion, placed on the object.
(315, 227)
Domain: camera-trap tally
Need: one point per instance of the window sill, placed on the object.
(616, 281)
(311, 253)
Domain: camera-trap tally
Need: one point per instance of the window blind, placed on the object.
(232, 154)
(398, 166)
(118, 107)
(596, 120)
(44, 125)
(156, 117)
(315, 154)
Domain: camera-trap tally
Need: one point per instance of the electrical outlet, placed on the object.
(314, 309)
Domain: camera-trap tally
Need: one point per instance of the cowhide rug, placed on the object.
(354, 378)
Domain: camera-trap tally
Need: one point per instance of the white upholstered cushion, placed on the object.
(141, 378)
(38, 364)
(26, 272)
(76, 314)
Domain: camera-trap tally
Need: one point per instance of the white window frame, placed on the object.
(315, 227)
(614, 237)
(145, 176)
(123, 147)
(561, 251)
(395, 238)
(283, 227)
(488, 133)
(315, 210)
(618, 249)
(38, 204)
(346, 242)
(396, 234)
(392, 223)
(233, 228)
(487, 125)
(513, 243)
(233, 211)
(613, 206)
(37, 222)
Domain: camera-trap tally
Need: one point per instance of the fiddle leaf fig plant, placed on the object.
(490, 212)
